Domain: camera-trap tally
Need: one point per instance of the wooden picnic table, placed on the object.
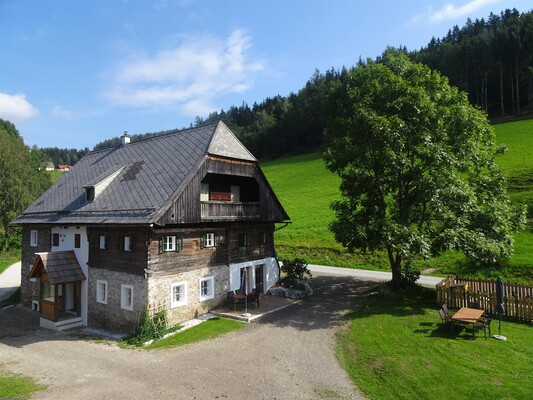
(469, 316)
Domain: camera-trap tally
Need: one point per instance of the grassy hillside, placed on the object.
(306, 188)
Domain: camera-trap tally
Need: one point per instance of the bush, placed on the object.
(151, 328)
(410, 274)
(295, 270)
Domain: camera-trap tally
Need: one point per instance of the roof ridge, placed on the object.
(158, 135)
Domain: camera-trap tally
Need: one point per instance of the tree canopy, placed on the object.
(22, 179)
(417, 169)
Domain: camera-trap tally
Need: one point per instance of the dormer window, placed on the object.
(94, 188)
(89, 193)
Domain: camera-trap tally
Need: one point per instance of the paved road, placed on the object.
(9, 281)
(424, 280)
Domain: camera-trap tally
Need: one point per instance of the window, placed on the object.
(33, 238)
(89, 193)
(262, 237)
(77, 240)
(55, 239)
(207, 286)
(235, 193)
(204, 192)
(178, 294)
(102, 242)
(126, 297)
(243, 240)
(209, 240)
(128, 245)
(101, 292)
(171, 243)
(48, 292)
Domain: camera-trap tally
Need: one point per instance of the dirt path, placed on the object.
(285, 355)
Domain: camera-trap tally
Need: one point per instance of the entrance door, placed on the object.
(259, 278)
(70, 299)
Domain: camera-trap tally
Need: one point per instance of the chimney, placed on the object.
(125, 139)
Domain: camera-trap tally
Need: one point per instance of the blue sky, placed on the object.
(76, 72)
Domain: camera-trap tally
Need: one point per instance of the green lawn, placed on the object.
(209, 329)
(15, 386)
(394, 347)
(7, 259)
(306, 189)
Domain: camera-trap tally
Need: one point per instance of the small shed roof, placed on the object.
(58, 267)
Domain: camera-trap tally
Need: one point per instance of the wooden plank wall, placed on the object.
(114, 258)
(193, 256)
(187, 207)
(518, 298)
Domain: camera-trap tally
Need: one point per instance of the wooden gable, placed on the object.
(188, 208)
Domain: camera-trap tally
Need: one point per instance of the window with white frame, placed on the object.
(178, 294)
(126, 297)
(209, 240)
(207, 288)
(127, 243)
(171, 243)
(33, 238)
(101, 292)
(102, 244)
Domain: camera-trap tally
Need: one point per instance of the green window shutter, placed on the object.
(202, 241)
(179, 243)
(217, 239)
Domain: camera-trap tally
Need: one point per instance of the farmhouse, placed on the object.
(170, 221)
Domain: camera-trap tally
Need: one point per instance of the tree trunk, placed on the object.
(517, 90)
(502, 107)
(396, 268)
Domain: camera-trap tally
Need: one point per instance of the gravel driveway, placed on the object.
(288, 354)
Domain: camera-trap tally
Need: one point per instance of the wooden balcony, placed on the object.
(232, 211)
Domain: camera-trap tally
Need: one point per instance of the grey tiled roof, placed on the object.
(151, 172)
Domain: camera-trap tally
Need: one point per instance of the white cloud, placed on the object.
(450, 11)
(16, 108)
(61, 112)
(190, 75)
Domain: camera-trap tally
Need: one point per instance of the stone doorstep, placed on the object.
(249, 318)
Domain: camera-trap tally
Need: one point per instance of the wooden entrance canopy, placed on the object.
(57, 269)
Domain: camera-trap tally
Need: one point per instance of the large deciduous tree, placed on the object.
(22, 179)
(417, 169)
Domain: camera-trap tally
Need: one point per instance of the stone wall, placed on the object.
(112, 316)
(29, 290)
(159, 289)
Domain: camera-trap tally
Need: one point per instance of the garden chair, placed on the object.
(446, 312)
(484, 325)
(474, 304)
(233, 301)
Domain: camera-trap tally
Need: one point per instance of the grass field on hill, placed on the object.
(306, 189)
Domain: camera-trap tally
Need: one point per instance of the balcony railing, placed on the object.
(224, 210)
